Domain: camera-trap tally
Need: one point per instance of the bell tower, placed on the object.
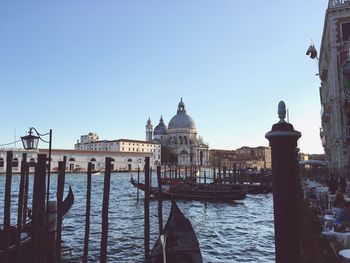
(149, 130)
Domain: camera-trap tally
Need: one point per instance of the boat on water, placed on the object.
(258, 188)
(178, 243)
(24, 245)
(197, 191)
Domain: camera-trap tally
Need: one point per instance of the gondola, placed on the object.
(24, 244)
(178, 243)
(198, 192)
(258, 189)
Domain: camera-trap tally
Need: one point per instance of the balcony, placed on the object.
(338, 3)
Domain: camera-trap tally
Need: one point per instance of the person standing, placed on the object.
(332, 185)
(342, 183)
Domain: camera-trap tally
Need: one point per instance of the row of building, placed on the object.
(256, 158)
(176, 143)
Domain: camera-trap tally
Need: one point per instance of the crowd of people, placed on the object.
(340, 207)
(335, 182)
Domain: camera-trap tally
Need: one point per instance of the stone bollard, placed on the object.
(283, 142)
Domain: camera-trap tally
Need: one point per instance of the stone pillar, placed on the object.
(283, 142)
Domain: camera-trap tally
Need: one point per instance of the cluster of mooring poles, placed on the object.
(37, 235)
(46, 224)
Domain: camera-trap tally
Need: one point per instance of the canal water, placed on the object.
(239, 231)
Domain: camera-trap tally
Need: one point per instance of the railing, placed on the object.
(338, 3)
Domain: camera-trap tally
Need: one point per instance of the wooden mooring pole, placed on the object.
(7, 206)
(60, 190)
(160, 205)
(39, 211)
(87, 213)
(146, 208)
(138, 182)
(20, 215)
(106, 189)
(25, 193)
(283, 142)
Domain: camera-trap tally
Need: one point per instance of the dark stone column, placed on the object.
(283, 142)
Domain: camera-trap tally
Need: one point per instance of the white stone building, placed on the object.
(77, 160)
(181, 138)
(334, 72)
(91, 143)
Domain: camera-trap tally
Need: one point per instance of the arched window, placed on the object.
(180, 139)
(71, 159)
(1, 162)
(92, 160)
(15, 162)
(129, 160)
(185, 140)
(183, 152)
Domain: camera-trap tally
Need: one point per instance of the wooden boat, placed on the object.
(178, 243)
(258, 189)
(25, 244)
(198, 192)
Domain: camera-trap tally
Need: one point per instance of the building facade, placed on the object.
(77, 160)
(90, 142)
(256, 158)
(221, 158)
(334, 72)
(181, 138)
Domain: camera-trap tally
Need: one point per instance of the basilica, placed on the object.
(181, 138)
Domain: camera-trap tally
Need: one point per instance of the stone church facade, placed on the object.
(181, 137)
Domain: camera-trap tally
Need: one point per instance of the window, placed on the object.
(92, 160)
(345, 29)
(1, 162)
(71, 159)
(15, 162)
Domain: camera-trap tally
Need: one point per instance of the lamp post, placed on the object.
(30, 142)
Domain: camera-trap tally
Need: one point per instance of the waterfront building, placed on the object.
(221, 158)
(91, 143)
(334, 72)
(181, 138)
(77, 160)
(256, 158)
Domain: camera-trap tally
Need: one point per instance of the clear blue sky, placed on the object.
(106, 66)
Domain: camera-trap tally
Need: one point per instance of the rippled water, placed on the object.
(240, 231)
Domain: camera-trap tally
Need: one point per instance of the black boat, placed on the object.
(258, 188)
(178, 243)
(25, 244)
(198, 192)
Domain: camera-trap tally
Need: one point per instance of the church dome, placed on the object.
(160, 129)
(181, 120)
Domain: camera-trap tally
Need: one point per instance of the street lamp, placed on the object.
(30, 142)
